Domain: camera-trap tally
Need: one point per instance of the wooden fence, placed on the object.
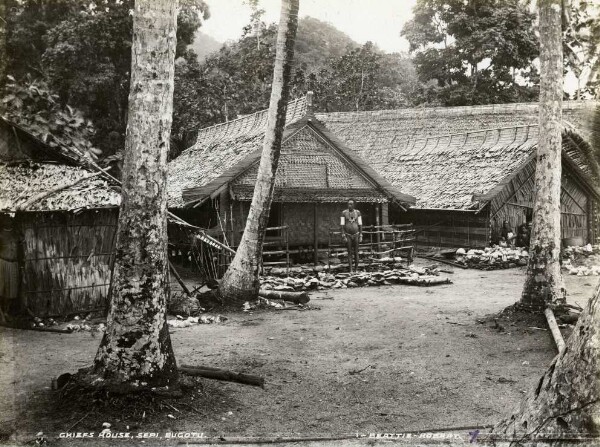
(379, 241)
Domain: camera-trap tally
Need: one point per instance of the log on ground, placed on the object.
(222, 374)
(293, 297)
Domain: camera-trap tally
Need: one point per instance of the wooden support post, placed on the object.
(179, 280)
(242, 219)
(231, 225)
(590, 233)
(378, 227)
(329, 249)
(315, 235)
(287, 250)
(468, 231)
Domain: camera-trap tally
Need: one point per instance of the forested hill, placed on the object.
(204, 45)
(316, 43)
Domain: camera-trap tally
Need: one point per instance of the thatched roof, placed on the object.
(22, 183)
(374, 131)
(447, 171)
(314, 166)
(218, 148)
(445, 156)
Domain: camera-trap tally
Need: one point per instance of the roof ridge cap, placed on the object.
(497, 107)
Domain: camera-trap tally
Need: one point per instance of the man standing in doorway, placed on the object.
(351, 225)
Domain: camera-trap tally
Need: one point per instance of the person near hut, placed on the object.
(523, 235)
(351, 227)
(507, 236)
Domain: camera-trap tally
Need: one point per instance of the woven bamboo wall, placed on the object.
(445, 228)
(67, 260)
(299, 218)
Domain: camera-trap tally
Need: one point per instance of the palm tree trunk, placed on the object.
(241, 281)
(544, 283)
(135, 352)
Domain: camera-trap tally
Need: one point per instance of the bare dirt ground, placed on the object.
(379, 359)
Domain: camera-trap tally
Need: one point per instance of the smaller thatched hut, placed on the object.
(57, 228)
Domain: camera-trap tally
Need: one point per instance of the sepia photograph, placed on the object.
(300, 222)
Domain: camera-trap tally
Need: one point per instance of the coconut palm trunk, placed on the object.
(135, 352)
(544, 283)
(241, 281)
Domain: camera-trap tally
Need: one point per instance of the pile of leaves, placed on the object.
(492, 258)
(301, 279)
(179, 321)
(582, 261)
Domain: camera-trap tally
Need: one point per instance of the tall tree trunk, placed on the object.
(3, 36)
(566, 401)
(241, 281)
(135, 352)
(544, 283)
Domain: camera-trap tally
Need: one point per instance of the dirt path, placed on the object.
(382, 359)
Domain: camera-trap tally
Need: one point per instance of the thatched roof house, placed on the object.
(470, 168)
(58, 223)
(212, 182)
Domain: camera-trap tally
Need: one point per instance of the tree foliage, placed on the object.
(317, 43)
(581, 45)
(476, 51)
(82, 50)
(236, 80)
(364, 78)
(36, 109)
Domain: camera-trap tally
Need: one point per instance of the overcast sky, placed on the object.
(379, 21)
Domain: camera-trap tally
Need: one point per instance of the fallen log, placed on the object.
(443, 261)
(558, 338)
(294, 297)
(423, 281)
(36, 328)
(222, 374)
